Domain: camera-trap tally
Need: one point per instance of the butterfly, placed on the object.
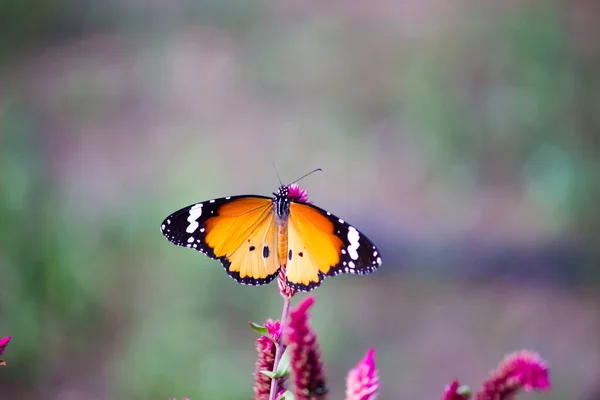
(253, 236)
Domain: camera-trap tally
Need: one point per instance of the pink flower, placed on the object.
(3, 343)
(456, 392)
(305, 356)
(362, 382)
(519, 370)
(266, 358)
(298, 194)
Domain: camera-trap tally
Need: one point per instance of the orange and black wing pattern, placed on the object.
(239, 231)
(321, 244)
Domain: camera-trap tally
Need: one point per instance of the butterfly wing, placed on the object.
(321, 244)
(239, 231)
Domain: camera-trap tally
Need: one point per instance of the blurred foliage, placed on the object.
(29, 22)
(515, 101)
(46, 293)
(69, 280)
(497, 101)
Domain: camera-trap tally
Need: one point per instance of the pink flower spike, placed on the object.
(520, 370)
(362, 382)
(454, 391)
(305, 356)
(266, 358)
(3, 343)
(298, 194)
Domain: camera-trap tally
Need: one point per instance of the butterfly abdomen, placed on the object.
(282, 241)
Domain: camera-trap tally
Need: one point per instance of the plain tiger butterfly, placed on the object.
(253, 236)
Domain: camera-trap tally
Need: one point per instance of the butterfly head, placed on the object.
(282, 201)
(286, 194)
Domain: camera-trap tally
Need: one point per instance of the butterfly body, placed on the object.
(253, 236)
(281, 206)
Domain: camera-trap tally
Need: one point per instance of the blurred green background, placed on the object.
(462, 137)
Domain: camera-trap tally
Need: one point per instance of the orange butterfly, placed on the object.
(253, 236)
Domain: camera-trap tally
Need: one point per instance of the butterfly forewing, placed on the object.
(239, 231)
(321, 244)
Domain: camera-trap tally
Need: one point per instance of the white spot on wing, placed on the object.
(351, 264)
(162, 227)
(353, 237)
(190, 239)
(212, 201)
(378, 260)
(195, 213)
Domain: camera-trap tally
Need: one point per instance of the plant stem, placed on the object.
(279, 350)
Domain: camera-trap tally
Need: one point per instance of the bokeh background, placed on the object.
(463, 137)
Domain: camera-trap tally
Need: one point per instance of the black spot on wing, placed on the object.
(266, 252)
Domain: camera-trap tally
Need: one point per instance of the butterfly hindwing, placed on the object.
(321, 244)
(239, 231)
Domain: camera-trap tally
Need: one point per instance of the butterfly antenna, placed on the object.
(277, 173)
(305, 175)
